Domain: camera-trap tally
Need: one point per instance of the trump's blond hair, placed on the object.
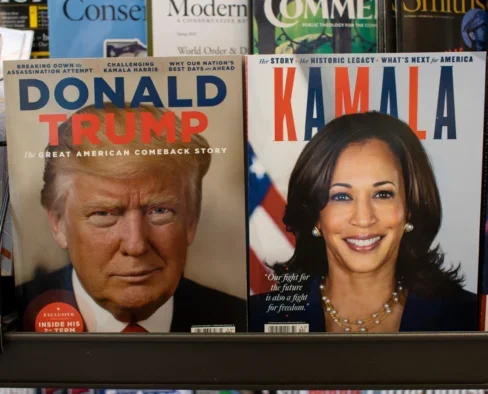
(57, 170)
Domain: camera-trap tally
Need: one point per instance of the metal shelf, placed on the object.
(245, 361)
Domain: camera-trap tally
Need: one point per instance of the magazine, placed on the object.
(310, 26)
(28, 15)
(199, 27)
(438, 25)
(364, 191)
(129, 176)
(107, 28)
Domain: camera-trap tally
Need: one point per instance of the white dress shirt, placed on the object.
(98, 319)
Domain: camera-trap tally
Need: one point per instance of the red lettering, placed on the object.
(130, 128)
(413, 103)
(283, 111)
(343, 102)
(149, 123)
(88, 125)
(187, 130)
(85, 125)
(53, 121)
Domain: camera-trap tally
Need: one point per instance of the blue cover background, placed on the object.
(85, 38)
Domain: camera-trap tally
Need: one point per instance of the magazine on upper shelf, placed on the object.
(311, 26)
(199, 27)
(128, 194)
(28, 15)
(364, 191)
(386, 31)
(441, 25)
(101, 28)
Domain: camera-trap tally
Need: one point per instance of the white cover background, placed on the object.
(457, 163)
(171, 32)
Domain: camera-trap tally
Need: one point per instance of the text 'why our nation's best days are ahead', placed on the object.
(204, 65)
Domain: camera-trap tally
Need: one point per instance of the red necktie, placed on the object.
(134, 327)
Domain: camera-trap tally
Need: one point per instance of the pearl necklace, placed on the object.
(360, 325)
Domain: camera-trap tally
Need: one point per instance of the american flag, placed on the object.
(269, 241)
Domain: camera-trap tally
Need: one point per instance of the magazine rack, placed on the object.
(243, 361)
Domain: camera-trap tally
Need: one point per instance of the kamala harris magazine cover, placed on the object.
(128, 194)
(365, 187)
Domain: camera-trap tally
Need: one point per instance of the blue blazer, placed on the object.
(456, 313)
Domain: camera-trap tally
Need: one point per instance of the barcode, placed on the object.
(213, 330)
(286, 328)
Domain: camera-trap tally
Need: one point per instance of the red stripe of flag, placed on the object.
(6, 253)
(275, 205)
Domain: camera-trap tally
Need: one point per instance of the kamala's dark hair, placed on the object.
(419, 264)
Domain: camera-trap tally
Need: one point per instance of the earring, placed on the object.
(316, 232)
(408, 227)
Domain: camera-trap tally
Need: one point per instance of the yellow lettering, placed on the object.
(456, 9)
(479, 4)
(419, 5)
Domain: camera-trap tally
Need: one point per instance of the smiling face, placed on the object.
(363, 221)
(127, 240)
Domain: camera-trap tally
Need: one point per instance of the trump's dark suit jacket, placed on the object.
(193, 304)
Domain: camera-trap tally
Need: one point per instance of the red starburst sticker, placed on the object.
(59, 317)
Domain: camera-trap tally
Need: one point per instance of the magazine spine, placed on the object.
(381, 27)
(483, 252)
(390, 27)
(398, 25)
(246, 179)
(149, 27)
